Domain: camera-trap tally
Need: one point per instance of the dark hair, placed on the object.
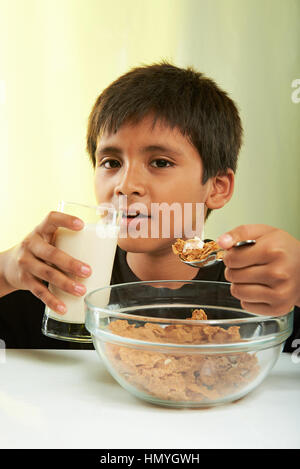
(182, 98)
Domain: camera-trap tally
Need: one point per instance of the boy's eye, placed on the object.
(161, 163)
(157, 163)
(110, 164)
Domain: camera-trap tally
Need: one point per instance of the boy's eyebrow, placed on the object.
(109, 149)
(160, 148)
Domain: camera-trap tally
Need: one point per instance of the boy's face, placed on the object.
(149, 166)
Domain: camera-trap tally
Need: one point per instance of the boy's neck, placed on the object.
(166, 266)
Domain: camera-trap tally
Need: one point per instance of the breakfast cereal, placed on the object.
(194, 253)
(177, 375)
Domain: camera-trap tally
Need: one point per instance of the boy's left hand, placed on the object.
(265, 277)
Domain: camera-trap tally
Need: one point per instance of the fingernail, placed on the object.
(62, 309)
(79, 289)
(78, 223)
(85, 270)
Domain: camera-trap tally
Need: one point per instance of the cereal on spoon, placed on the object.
(191, 250)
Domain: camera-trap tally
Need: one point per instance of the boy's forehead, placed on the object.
(146, 129)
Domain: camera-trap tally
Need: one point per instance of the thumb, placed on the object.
(242, 233)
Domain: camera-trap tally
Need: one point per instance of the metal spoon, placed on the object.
(211, 258)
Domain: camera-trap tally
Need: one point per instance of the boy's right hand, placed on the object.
(36, 259)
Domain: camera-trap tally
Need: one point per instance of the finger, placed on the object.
(265, 309)
(48, 253)
(53, 276)
(241, 233)
(277, 299)
(55, 220)
(258, 308)
(252, 293)
(253, 274)
(258, 254)
(41, 291)
(269, 275)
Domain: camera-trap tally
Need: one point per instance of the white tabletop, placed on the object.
(67, 399)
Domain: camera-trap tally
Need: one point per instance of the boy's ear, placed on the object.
(221, 190)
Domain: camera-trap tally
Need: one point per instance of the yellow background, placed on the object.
(56, 56)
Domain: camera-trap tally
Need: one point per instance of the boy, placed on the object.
(158, 134)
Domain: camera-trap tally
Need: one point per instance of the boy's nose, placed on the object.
(130, 183)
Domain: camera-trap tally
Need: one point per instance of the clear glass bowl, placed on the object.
(143, 334)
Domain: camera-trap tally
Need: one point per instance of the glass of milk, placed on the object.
(95, 245)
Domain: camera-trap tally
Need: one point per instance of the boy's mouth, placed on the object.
(129, 216)
(137, 214)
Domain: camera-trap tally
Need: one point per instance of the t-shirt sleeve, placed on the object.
(21, 315)
(293, 341)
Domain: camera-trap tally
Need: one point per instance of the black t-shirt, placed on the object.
(21, 313)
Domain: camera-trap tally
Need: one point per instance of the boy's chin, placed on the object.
(143, 245)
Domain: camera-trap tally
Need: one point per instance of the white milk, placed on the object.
(87, 247)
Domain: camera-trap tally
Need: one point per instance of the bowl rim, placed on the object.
(253, 317)
(253, 343)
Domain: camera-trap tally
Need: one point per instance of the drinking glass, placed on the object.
(94, 245)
